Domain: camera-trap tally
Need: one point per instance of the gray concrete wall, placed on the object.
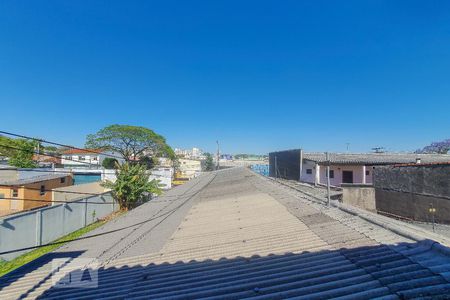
(361, 196)
(287, 162)
(409, 191)
(41, 226)
(413, 206)
(428, 180)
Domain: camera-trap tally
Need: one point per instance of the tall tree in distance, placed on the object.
(437, 147)
(20, 152)
(209, 163)
(132, 142)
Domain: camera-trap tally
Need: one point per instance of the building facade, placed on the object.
(35, 190)
(87, 158)
(189, 168)
(345, 168)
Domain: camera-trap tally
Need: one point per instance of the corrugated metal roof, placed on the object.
(33, 179)
(424, 164)
(246, 237)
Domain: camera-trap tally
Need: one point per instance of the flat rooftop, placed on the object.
(233, 234)
(34, 179)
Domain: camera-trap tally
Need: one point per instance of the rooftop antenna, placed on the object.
(378, 149)
(348, 146)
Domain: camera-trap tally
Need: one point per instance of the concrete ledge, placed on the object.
(356, 185)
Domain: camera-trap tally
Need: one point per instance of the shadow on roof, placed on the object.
(20, 272)
(359, 273)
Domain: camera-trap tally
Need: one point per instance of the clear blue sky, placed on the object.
(257, 75)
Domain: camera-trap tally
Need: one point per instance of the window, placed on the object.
(94, 158)
(367, 173)
(42, 190)
(15, 192)
(2, 196)
(63, 180)
(331, 174)
(80, 157)
(308, 171)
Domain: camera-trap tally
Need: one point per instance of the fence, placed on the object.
(44, 225)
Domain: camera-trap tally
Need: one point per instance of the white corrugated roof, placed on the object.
(246, 237)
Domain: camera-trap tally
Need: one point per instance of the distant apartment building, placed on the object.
(195, 153)
(189, 168)
(225, 157)
(86, 158)
(35, 189)
(345, 168)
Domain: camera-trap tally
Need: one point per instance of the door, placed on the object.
(347, 176)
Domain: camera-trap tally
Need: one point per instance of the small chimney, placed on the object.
(418, 160)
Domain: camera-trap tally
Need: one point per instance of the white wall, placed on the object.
(189, 167)
(308, 177)
(86, 161)
(164, 175)
(337, 180)
(89, 159)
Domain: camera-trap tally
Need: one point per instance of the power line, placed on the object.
(45, 190)
(57, 144)
(51, 155)
(76, 201)
(89, 236)
(57, 171)
(154, 217)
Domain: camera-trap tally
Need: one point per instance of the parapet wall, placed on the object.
(411, 191)
(428, 179)
(362, 196)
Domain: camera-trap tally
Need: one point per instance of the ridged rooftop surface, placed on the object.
(235, 235)
(372, 158)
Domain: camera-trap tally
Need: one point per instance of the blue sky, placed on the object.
(257, 75)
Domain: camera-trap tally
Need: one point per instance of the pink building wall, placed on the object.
(357, 170)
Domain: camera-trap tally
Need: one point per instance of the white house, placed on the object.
(163, 174)
(87, 158)
(344, 167)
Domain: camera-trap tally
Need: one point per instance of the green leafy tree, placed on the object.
(19, 151)
(148, 162)
(132, 185)
(51, 150)
(110, 163)
(131, 142)
(209, 163)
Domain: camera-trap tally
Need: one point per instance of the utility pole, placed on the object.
(328, 179)
(217, 156)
